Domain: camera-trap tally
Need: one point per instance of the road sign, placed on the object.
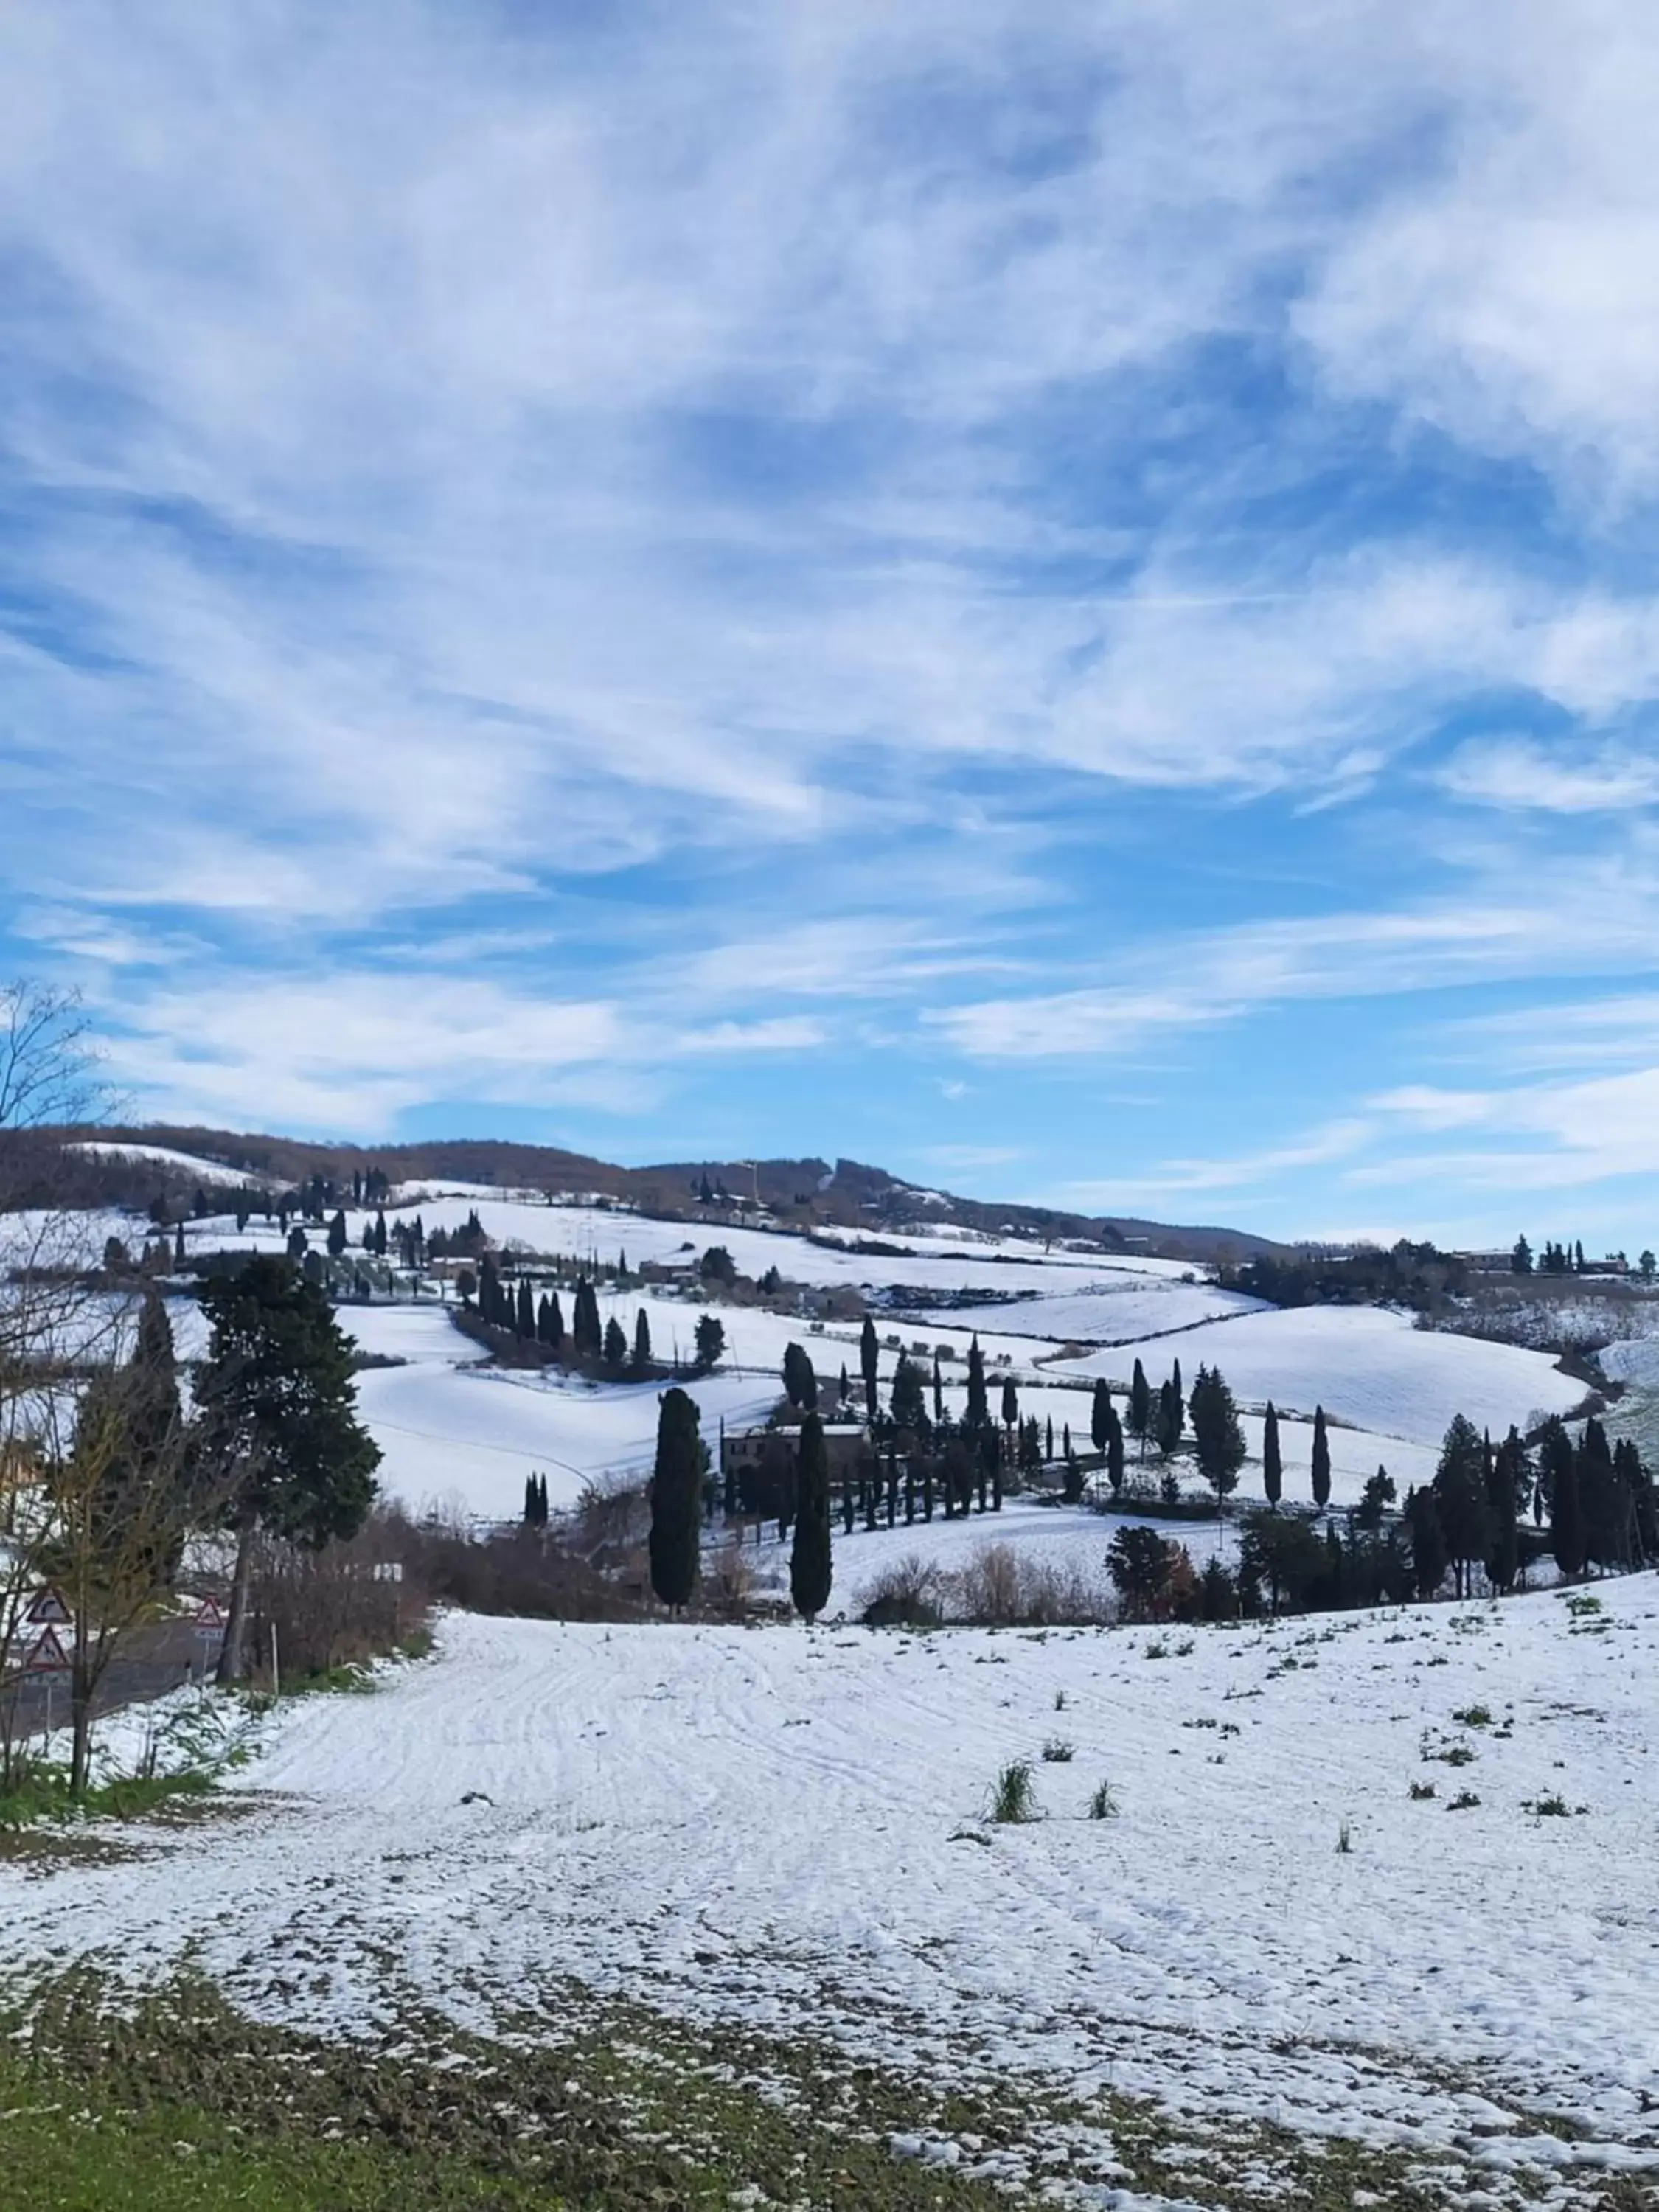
(209, 1620)
(46, 1655)
(48, 1608)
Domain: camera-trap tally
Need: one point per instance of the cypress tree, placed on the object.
(1216, 1437)
(615, 1343)
(1429, 1555)
(529, 1501)
(809, 1568)
(1140, 1406)
(1010, 1402)
(939, 1394)
(337, 1236)
(1321, 1460)
(641, 1340)
(676, 1501)
(1506, 1473)
(178, 1247)
(1273, 1464)
(555, 1322)
(1460, 1497)
(978, 1413)
(846, 1387)
(1100, 1414)
(870, 1362)
(909, 1405)
(525, 1318)
(1049, 1453)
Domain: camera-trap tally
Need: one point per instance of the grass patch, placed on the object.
(1473, 1715)
(1058, 1752)
(1103, 1806)
(1013, 1794)
(44, 1796)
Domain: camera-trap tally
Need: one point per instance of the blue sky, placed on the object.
(1061, 599)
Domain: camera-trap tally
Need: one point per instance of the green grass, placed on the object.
(1013, 1798)
(44, 1794)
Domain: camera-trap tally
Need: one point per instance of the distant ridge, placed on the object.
(798, 1194)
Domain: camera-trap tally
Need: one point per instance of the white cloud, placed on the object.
(1517, 773)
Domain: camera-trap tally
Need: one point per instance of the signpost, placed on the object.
(47, 1656)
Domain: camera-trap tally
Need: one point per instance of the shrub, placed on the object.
(906, 1594)
(1474, 1715)
(1554, 1806)
(1421, 1789)
(1058, 1752)
(1345, 1839)
(1103, 1806)
(1462, 1801)
(1013, 1799)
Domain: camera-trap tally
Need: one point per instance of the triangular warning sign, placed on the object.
(49, 1607)
(207, 1614)
(46, 1655)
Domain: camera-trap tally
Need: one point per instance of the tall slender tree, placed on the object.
(676, 1501)
(1321, 1460)
(1140, 1406)
(642, 1341)
(978, 1413)
(811, 1572)
(1100, 1414)
(1273, 1463)
(869, 1366)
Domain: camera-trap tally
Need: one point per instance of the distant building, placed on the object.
(752, 1449)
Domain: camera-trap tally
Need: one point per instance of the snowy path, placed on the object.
(769, 1825)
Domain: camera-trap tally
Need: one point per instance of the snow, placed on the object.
(765, 1825)
(205, 1171)
(1366, 1365)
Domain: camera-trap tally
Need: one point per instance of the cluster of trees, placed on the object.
(516, 1310)
(535, 1501)
(1416, 1275)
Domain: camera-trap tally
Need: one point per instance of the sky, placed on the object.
(1059, 599)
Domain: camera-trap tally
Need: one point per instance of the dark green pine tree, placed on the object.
(1273, 1463)
(615, 1343)
(529, 1501)
(277, 1402)
(1100, 1414)
(800, 1384)
(379, 1236)
(676, 1501)
(1321, 1460)
(178, 1247)
(525, 1319)
(1180, 1401)
(809, 1569)
(1010, 1402)
(977, 1415)
(1604, 1511)
(846, 1387)
(554, 1323)
(939, 1395)
(1049, 1441)
(337, 1236)
(869, 1366)
(642, 1341)
(1217, 1439)
(1167, 1422)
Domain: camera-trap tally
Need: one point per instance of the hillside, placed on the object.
(802, 1193)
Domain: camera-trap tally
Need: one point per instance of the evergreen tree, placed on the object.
(1273, 1464)
(337, 1236)
(1140, 1407)
(1167, 1434)
(800, 1382)
(554, 1323)
(676, 1501)
(379, 1236)
(1010, 1402)
(1430, 1558)
(1217, 1439)
(710, 1341)
(869, 1366)
(642, 1341)
(1459, 1498)
(525, 1319)
(1048, 1453)
(978, 1413)
(939, 1395)
(1100, 1414)
(615, 1344)
(1604, 1510)
(529, 1501)
(910, 1408)
(809, 1568)
(1374, 1500)
(278, 1401)
(846, 1387)
(1521, 1258)
(1505, 1472)
(1321, 1460)
(178, 1247)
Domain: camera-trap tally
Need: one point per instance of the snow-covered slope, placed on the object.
(785, 1828)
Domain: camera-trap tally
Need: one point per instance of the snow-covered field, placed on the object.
(785, 1827)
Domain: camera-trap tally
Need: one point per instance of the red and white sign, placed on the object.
(210, 1616)
(48, 1607)
(46, 1656)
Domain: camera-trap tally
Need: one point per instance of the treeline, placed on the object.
(1415, 1275)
